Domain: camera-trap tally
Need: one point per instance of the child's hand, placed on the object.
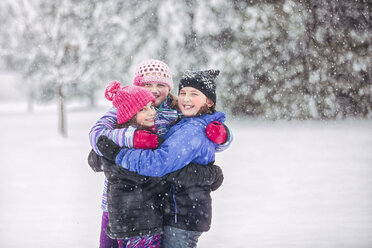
(144, 139)
(108, 148)
(216, 132)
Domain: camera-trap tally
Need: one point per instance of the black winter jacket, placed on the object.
(189, 203)
(134, 201)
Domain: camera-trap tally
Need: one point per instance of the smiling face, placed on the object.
(191, 100)
(158, 90)
(146, 116)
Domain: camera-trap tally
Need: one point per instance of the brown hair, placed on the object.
(174, 101)
(131, 122)
(206, 110)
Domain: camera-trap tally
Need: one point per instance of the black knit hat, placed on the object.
(201, 80)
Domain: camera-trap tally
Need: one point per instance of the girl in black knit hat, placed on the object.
(195, 85)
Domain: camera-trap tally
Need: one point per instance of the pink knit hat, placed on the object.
(127, 100)
(153, 71)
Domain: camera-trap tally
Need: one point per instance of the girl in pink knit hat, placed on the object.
(134, 216)
(156, 77)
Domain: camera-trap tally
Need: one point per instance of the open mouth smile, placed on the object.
(187, 107)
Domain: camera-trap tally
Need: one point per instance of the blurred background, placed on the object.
(278, 59)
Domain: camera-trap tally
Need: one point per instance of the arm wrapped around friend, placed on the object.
(193, 174)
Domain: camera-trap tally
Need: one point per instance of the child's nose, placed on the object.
(186, 98)
(153, 89)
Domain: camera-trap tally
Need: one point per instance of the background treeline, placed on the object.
(278, 59)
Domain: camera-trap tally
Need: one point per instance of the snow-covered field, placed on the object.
(287, 184)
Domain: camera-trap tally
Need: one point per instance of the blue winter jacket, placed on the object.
(185, 142)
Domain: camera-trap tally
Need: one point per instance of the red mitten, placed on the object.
(144, 139)
(216, 132)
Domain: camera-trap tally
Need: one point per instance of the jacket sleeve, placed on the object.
(177, 151)
(106, 126)
(101, 164)
(229, 139)
(197, 175)
(94, 162)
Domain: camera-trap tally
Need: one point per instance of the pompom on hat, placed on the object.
(201, 80)
(153, 71)
(127, 100)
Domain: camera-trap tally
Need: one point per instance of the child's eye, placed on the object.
(182, 93)
(161, 85)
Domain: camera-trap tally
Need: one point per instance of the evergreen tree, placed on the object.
(309, 59)
(340, 54)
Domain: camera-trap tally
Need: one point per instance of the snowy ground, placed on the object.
(287, 184)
